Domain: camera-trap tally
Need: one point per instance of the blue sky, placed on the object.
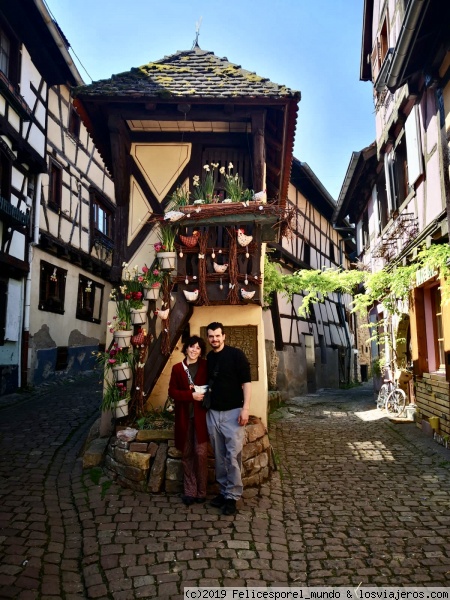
(313, 46)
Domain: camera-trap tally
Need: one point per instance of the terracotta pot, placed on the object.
(121, 409)
(167, 260)
(121, 372)
(139, 315)
(123, 338)
(152, 293)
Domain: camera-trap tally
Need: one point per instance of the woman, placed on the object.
(191, 434)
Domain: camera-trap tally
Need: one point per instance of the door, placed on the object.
(310, 363)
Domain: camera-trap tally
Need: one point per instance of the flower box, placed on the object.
(123, 338)
(167, 260)
(139, 315)
(121, 372)
(152, 293)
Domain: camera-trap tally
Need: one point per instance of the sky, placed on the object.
(313, 46)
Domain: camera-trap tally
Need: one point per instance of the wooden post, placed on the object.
(259, 151)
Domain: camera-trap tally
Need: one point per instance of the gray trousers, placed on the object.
(227, 439)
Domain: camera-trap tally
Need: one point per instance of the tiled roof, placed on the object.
(192, 73)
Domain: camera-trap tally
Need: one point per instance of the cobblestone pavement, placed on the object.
(356, 499)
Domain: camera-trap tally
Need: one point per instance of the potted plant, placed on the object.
(121, 326)
(204, 192)
(180, 197)
(118, 360)
(234, 186)
(165, 247)
(151, 280)
(116, 398)
(133, 291)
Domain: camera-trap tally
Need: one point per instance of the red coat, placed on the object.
(180, 391)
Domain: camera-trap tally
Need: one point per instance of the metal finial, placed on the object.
(197, 33)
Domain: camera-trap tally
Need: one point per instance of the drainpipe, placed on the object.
(27, 308)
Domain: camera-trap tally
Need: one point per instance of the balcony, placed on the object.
(400, 233)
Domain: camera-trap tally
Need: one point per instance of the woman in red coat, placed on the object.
(191, 434)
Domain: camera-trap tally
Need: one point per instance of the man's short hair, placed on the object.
(215, 325)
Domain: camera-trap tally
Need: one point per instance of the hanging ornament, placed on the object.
(246, 280)
(246, 253)
(221, 284)
(220, 251)
(201, 256)
(180, 254)
(186, 281)
(213, 254)
(194, 277)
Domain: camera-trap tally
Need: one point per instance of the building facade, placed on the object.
(55, 208)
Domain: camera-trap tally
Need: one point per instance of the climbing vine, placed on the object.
(389, 286)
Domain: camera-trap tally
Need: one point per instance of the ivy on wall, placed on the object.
(389, 286)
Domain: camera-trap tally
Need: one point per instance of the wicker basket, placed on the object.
(189, 241)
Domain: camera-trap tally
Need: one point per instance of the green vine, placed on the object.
(389, 286)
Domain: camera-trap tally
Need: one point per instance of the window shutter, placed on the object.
(13, 313)
(359, 237)
(376, 211)
(389, 164)
(413, 146)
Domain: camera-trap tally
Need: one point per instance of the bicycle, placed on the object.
(391, 397)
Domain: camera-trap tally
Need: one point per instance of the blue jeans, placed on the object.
(227, 439)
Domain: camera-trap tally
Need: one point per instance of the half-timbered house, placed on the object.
(397, 190)
(318, 349)
(56, 212)
(156, 127)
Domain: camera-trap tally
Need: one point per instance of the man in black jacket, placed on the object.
(229, 369)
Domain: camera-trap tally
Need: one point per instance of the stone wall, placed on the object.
(149, 462)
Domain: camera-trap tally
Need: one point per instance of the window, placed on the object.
(5, 177)
(380, 48)
(306, 253)
(102, 215)
(74, 123)
(52, 288)
(382, 201)
(332, 254)
(439, 331)
(365, 229)
(55, 183)
(9, 55)
(90, 300)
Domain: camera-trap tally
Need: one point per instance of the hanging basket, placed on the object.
(121, 372)
(152, 293)
(167, 260)
(123, 338)
(121, 409)
(139, 315)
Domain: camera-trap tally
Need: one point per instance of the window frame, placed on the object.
(55, 185)
(438, 328)
(99, 202)
(13, 58)
(84, 298)
(47, 271)
(74, 123)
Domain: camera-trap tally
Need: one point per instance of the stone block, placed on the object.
(138, 486)
(249, 450)
(173, 487)
(155, 435)
(174, 453)
(133, 459)
(122, 444)
(262, 460)
(174, 470)
(250, 493)
(157, 471)
(251, 481)
(152, 449)
(95, 452)
(124, 470)
(254, 432)
(138, 447)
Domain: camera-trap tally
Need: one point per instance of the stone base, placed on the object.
(149, 461)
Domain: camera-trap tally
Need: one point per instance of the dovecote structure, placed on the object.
(156, 127)
(55, 251)
(397, 190)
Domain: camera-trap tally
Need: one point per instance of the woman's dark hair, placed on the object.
(195, 339)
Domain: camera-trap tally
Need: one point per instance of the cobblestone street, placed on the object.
(356, 499)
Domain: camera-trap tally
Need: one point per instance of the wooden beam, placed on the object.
(259, 151)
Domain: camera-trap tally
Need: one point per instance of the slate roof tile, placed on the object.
(190, 73)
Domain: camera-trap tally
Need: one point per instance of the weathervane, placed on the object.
(197, 33)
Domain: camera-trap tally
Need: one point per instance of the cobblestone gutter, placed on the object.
(149, 462)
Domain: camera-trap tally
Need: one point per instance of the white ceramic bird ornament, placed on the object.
(243, 240)
(173, 215)
(247, 295)
(190, 296)
(260, 196)
(162, 314)
(220, 268)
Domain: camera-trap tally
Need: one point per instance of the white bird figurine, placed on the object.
(220, 268)
(162, 314)
(190, 296)
(247, 295)
(173, 215)
(243, 240)
(260, 196)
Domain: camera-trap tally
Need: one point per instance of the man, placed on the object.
(229, 370)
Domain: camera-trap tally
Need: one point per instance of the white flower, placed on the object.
(206, 167)
(215, 165)
(124, 264)
(222, 170)
(230, 166)
(196, 178)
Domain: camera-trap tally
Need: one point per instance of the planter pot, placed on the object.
(121, 409)
(123, 338)
(167, 260)
(152, 293)
(121, 372)
(139, 315)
